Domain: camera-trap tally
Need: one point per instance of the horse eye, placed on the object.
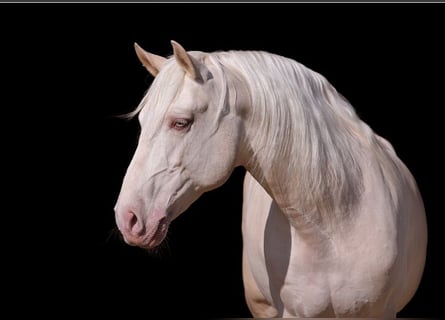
(180, 124)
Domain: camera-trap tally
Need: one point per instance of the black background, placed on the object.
(69, 69)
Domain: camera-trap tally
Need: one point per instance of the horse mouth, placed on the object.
(158, 235)
(151, 239)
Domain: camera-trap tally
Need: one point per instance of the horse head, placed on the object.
(189, 143)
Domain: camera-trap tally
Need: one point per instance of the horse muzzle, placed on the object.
(145, 234)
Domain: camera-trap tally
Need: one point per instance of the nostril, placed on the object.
(132, 220)
(134, 224)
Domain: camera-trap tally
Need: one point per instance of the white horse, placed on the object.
(333, 222)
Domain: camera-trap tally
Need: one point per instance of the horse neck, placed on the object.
(314, 222)
(284, 191)
(313, 197)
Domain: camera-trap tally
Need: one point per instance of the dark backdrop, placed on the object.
(70, 69)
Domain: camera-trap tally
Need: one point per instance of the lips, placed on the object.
(158, 236)
(151, 239)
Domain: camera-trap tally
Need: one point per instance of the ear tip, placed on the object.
(175, 46)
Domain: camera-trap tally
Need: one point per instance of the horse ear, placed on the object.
(193, 68)
(151, 62)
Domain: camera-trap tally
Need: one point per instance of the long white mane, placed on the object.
(306, 125)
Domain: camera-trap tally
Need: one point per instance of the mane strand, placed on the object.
(305, 120)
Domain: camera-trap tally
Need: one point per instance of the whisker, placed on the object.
(114, 234)
(160, 251)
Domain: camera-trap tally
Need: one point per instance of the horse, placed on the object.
(333, 222)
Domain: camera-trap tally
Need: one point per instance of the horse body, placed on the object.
(333, 223)
(370, 267)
